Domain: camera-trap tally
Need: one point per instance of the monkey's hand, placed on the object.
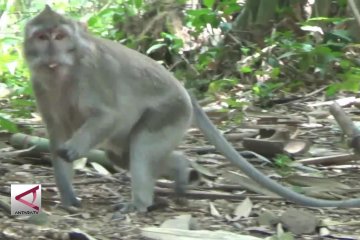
(68, 153)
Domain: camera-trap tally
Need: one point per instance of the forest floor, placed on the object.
(223, 201)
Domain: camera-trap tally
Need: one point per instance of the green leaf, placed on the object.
(327, 20)
(256, 89)
(108, 12)
(332, 89)
(342, 34)
(21, 103)
(199, 12)
(245, 50)
(138, 3)
(232, 8)
(168, 36)
(10, 40)
(209, 3)
(275, 72)
(345, 64)
(93, 21)
(155, 47)
(246, 69)
(287, 55)
(352, 82)
(131, 9)
(8, 125)
(201, 17)
(307, 47)
(222, 84)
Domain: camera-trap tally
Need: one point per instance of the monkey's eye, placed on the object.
(60, 36)
(41, 36)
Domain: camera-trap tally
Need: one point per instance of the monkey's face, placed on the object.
(50, 47)
(50, 41)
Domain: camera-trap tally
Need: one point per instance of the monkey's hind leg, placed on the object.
(176, 167)
(150, 153)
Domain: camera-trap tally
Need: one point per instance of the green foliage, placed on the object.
(265, 91)
(292, 62)
(169, 41)
(350, 82)
(175, 43)
(307, 56)
(203, 60)
(282, 161)
(199, 18)
(296, 61)
(222, 85)
(7, 124)
(13, 71)
(101, 22)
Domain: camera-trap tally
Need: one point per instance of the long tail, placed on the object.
(224, 147)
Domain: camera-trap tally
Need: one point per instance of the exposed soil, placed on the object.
(99, 194)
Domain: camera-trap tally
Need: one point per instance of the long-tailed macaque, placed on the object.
(94, 92)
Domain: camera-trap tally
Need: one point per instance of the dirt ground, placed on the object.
(220, 200)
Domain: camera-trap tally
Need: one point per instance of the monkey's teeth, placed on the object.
(53, 65)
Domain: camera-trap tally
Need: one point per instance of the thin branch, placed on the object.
(355, 11)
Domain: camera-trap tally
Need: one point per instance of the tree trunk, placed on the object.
(354, 25)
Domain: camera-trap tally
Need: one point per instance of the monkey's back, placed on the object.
(139, 75)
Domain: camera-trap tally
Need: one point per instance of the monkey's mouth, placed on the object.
(53, 65)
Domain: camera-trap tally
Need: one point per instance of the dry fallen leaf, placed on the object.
(178, 234)
(243, 210)
(201, 169)
(247, 183)
(319, 187)
(100, 169)
(184, 222)
(213, 211)
(326, 183)
(80, 163)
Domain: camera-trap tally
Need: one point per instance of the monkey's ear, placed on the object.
(83, 25)
(47, 8)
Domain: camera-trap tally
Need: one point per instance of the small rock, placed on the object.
(299, 221)
(39, 219)
(268, 218)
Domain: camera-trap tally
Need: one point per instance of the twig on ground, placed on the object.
(212, 195)
(327, 160)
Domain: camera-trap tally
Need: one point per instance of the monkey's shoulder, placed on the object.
(131, 64)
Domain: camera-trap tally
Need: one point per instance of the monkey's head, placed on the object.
(51, 40)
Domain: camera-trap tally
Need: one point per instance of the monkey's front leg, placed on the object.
(63, 171)
(96, 128)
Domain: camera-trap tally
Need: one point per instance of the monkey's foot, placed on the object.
(70, 209)
(125, 208)
(181, 201)
(128, 207)
(71, 202)
(69, 154)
